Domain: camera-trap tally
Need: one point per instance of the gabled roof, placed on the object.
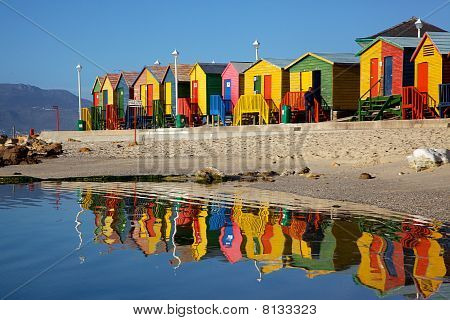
(214, 68)
(158, 72)
(183, 71)
(331, 58)
(129, 77)
(279, 63)
(404, 29)
(441, 40)
(100, 80)
(113, 79)
(399, 42)
(240, 66)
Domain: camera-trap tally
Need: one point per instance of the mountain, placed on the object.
(25, 106)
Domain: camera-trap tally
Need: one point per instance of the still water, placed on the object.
(188, 241)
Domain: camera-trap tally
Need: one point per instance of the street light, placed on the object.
(256, 45)
(79, 67)
(419, 26)
(175, 54)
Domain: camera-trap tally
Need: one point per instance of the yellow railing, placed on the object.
(86, 117)
(251, 103)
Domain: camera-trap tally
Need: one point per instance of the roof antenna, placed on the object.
(419, 26)
(157, 63)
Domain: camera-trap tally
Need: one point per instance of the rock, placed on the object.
(365, 176)
(423, 159)
(208, 175)
(3, 139)
(11, 142)
(268, 179)
(287, 173)
(304, 170)
(84, 149)
(73, 140)
(14, 155)
(53, 149)
(250, 174)
(401, 173)
(269, 174)
(248, 179)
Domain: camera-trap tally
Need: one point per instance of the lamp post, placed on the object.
(419, 26)
(79, 67)
(256, 45)
(175, 55)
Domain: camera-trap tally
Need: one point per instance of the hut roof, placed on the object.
(130, 77)
(215, 68)
(159, 72)
(113, 78)
(331, 58)
(281, 63)
(99, 79)
(441, 41)
(183, 71)
(240, 66)
(403, 29)
(399, 42)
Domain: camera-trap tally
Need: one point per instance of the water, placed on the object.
(188, 241)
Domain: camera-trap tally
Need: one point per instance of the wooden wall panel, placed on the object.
(434, 69)
(345, 87)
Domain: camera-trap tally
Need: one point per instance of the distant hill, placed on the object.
(27, 106)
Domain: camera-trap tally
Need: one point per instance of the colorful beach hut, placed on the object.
(432, 70)
(183, 71)
(97, 99)
(232, 88)
(265, 83)
(385, 69)
(109, 97)
(149, 90)
(206, 80)
(334, 78)
(125, 90)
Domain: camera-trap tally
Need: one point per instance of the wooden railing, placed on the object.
(189, 109)
(86, 117)
(251, 103)
(370, 97)
(112, 119)
(294, 99)
(417, 102)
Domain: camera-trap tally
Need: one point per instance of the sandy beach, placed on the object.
(337, 156)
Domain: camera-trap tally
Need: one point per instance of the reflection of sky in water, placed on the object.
(182, 241)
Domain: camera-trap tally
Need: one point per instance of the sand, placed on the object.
(339, 155)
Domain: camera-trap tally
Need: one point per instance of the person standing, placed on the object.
(309, 105)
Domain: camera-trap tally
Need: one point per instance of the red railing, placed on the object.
(414, 101)
(189, 109)
(296, 100)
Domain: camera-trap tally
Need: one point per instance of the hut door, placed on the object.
(96, 99)
(195, 91)
(121, 102)
(374, 77)
(268, 87)
(168, 97)
(105, 97)
(149, 99)
(257, 84)
(316, 83)
(422, 77)
(227, 91)
(387, 91)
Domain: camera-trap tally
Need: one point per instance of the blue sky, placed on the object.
(125, 35)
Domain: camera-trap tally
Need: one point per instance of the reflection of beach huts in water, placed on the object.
(334, 79)
(169, 86)
(265, 83)
(432, 71)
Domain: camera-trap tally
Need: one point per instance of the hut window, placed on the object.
(428, 50)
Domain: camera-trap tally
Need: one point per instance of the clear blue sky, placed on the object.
(126, 35)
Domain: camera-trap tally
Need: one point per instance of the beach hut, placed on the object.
(334, 78)
(97, 99)
(110, 100)
(125, 90)
(206, 80)
(149, 90)
(432, 71)
(403, 29)
(183, 71)
(232, 88)
(385, 69)
(265, 83)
